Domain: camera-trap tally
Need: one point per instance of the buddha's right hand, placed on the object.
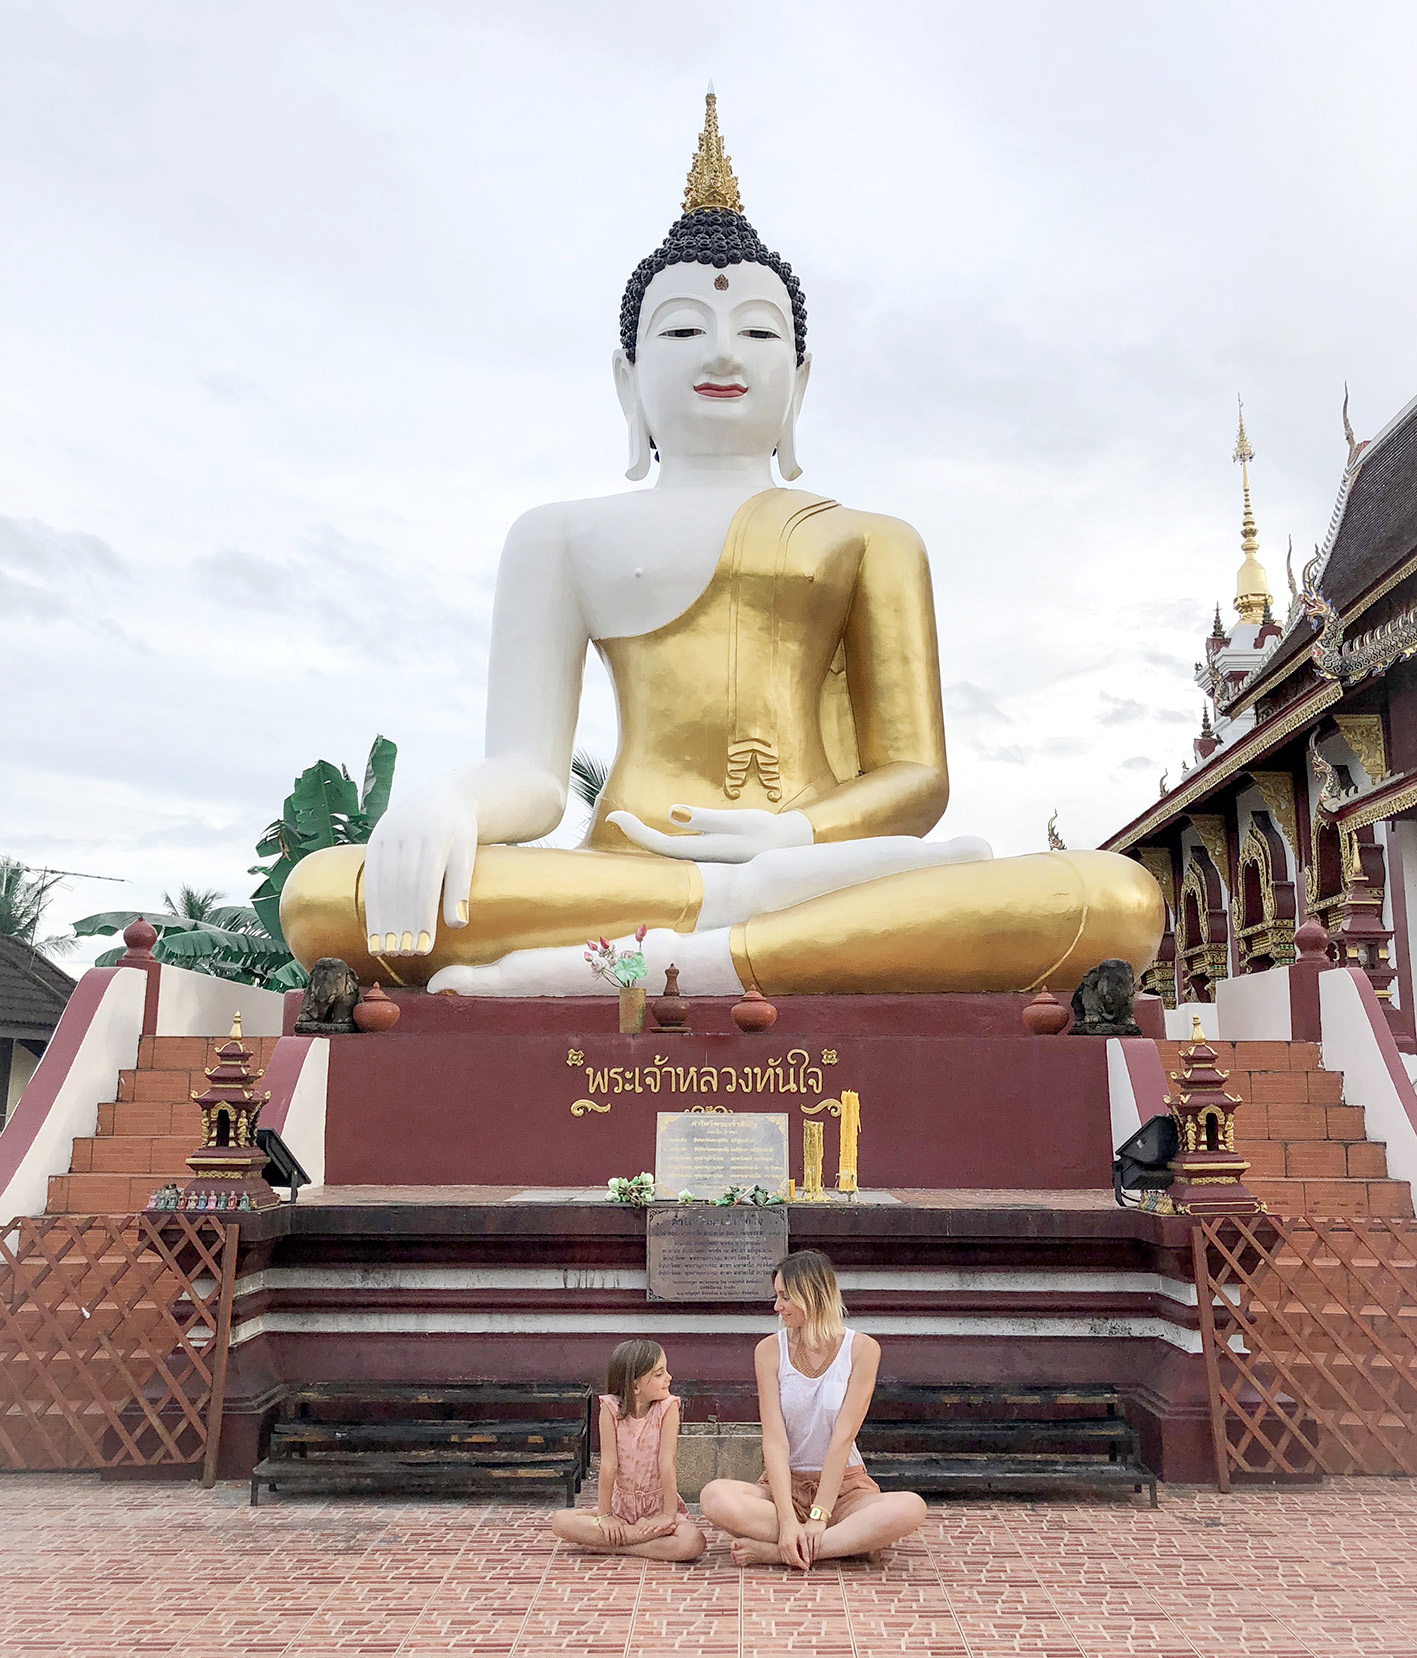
(421, 847)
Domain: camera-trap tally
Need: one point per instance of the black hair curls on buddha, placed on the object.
(709, 236)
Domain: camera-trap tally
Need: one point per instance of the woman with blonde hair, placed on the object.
(815, 1500)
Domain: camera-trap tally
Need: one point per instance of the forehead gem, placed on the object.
(720, 282)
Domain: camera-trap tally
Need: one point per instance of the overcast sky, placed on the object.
(302, 303)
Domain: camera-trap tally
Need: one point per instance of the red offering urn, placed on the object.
(671, 1010)
(1045, 1015)
(374, 1011)
(755, 1012)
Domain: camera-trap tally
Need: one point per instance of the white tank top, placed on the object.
(811, 1405)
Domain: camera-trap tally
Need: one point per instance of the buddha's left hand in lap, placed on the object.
(715, 836)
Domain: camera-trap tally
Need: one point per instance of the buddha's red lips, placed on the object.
(709, 389)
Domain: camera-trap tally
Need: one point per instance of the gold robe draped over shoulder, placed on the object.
(805, 677)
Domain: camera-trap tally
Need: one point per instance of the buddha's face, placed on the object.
(715, 370)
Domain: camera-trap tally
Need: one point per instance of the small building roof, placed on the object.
(33, 991)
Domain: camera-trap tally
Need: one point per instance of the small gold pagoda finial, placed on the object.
(1197, 1034)
(236, 1024)
(1251, 584)
(711, 182)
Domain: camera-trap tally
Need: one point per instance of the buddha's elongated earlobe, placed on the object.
(628, 393)
(787, 441)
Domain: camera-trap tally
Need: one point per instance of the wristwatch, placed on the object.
(815, 1513)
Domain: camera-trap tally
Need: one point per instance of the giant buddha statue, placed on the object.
(781, 757)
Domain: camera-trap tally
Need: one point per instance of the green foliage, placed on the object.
(245, 944)
(232, 944)
(194, 904)
(323, 809)
(589, 775)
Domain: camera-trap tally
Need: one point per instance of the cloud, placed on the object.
(964, 701)
(1136, 762)
(1013, 755)
(1128, 711)
(46, 574)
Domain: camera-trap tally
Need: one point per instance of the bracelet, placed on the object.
(815, 1513)
(597, 1519)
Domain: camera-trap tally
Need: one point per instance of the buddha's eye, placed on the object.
(761, 334)
(679, 333)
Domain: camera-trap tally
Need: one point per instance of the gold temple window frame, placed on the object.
(1270, 934)
(1203, 956)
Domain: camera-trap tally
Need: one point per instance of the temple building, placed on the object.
(1302, 797)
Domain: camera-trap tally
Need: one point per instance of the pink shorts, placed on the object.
(857, 1487)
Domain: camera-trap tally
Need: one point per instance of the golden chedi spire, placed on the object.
(711, 182)
(1251, 585)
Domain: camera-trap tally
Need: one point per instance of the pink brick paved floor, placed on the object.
(95, 1571)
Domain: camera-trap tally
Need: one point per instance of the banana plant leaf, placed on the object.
(378, 782)
(323, 809)
(203, 942)
(114, 921)
(244, 942)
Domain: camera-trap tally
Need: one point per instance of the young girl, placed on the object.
(638, 1509)
(815, 1500)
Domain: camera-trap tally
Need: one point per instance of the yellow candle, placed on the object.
(850, 1133)
(811, 1161)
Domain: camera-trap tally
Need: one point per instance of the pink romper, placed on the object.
(638, 1492)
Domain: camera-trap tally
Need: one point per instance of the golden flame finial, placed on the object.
(1251, 584)
(711, 182)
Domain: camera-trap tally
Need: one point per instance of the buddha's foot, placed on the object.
(467, 981)
(704, 961)
(791, 875)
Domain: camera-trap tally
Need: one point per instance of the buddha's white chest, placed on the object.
(640, 560)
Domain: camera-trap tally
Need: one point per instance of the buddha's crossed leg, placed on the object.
(865, 916)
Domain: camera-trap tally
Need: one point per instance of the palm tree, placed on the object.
(589, 775)
(194, 904)
(24, 897)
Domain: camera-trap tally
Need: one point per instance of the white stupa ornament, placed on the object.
(1252, 595)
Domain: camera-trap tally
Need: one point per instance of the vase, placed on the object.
(671, 1010)
(755, 1012)
(1045, 1015)
(632, 1009)
(374, 1011)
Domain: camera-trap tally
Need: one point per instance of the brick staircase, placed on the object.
(1308, 1151)
(146, 1135)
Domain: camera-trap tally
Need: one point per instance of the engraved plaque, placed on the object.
(699, 1254)
(705, 1152)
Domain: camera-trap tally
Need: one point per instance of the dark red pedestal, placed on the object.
(954, 1091)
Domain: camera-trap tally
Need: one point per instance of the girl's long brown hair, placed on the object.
(809, 1281)
(630, 1361)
